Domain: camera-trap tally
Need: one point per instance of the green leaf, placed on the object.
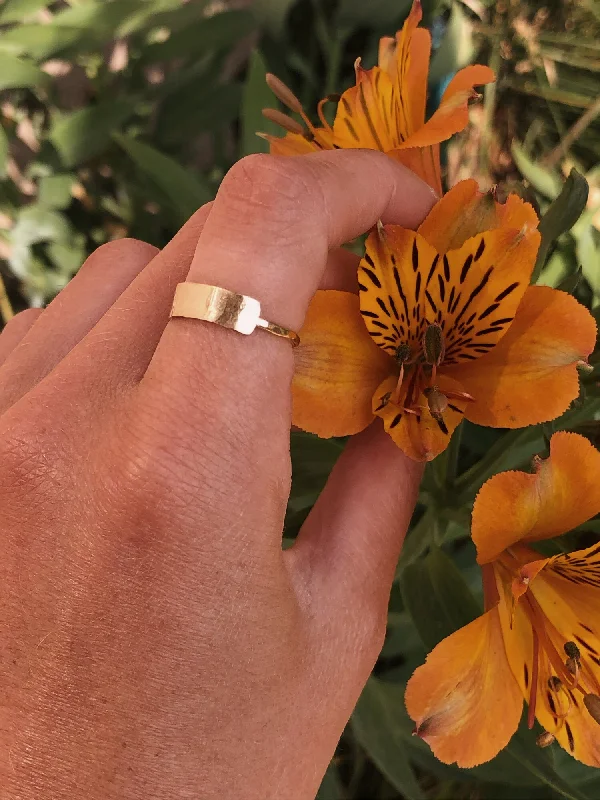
(16, 73)
(546, 181)
(34, 224)
(331, 787)
(166, 14)
(184, 192)
(588, 253)
(272, 13)
(382, 726)
(102, 19)
(55, 191)
(67, 257)
(87, 132)
(570, 282)
(375, 13)
(41, 41)
(4, 147)
(257, 96)
(221, 31)
(190, 110)
(524, 750)
(561, 216)
(312, 461)
(17, 10)
(436, 597)
(457, 48)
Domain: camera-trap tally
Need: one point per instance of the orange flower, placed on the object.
(386, 109)
(446, 325)
(539, 639)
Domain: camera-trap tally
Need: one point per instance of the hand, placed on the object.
(156, 642)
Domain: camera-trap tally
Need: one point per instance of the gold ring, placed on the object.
(238, 312)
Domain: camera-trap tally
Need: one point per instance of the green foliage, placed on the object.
(120, 118)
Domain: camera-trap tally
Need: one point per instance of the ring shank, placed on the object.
(279, 330)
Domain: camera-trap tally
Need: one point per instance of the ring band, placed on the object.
(238, 312)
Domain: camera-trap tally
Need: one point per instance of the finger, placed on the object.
(15, 329)
(268, 236)
(72, 314)
(122, 343)
(341, 271)
(349, 545)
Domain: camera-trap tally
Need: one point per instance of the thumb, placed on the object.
(350, 543)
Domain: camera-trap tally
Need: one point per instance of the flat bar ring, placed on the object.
(238, 312)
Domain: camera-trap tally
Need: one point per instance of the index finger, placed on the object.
(268, 235)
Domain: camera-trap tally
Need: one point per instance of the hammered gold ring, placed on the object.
(238, 312)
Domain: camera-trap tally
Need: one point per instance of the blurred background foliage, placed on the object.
(120, 117)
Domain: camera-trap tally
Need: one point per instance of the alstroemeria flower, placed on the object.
(386, 109)
(446, 325)
(539, 639)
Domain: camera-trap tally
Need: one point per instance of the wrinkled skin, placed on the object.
(156, 642)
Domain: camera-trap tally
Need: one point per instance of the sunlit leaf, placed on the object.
(544, 180)
(563, 213)
(18, 73)
(17, 10)
(55, 191)
(4, 145)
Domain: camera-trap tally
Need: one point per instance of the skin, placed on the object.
(156, 642)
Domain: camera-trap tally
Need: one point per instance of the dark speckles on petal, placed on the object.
(395, 421)
(480, 249)
(372, 276)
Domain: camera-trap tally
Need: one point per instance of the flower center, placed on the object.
(419, 371)
(566, 675)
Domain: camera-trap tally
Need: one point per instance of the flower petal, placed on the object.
(516, 506)
(464, 212)
(424, 162)
(338, 368)
(391, 280)
(292, 144)
(568, 592)
(475, 291)
(464, 699)
(471, 293)
(419, 435)
(365, 115)
(452, 115)
(530, 376)
(405, 59)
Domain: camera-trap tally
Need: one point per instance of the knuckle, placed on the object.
(127, 249)
(273, 186)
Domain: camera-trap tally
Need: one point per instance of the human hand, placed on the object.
(156, 641)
